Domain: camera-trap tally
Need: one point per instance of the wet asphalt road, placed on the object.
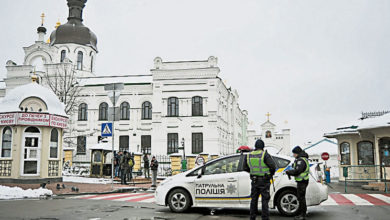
(89, 209)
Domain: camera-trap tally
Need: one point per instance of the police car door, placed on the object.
(218, 183)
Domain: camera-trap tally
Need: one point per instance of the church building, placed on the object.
(276, 140)
(177, 104)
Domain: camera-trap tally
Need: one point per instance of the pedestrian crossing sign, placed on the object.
(106, 129)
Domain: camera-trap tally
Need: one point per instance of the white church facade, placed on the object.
(177, 103)
(276, 140)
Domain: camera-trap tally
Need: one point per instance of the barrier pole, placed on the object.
(384, 171)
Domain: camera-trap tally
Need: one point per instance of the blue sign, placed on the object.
(106, 129)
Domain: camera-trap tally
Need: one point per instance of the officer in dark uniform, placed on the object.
(301, 172)
(261, 167)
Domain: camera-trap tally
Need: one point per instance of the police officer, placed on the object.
(261, 167)
(301, 171)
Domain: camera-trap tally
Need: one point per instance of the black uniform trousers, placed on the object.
(260, 186)
(301, 194)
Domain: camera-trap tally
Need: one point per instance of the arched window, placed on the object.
(6, 142)
(268, 134)
(63, 55)
(54, 143)
(146, 110)
(125, 111)
(173, 107)
(365, 153)
(103, 111)
(32, 130)
(83, 112)
(345, 153)
(80, 60)
(197, 106)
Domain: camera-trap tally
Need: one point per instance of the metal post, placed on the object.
(112, 160)
(384, 172)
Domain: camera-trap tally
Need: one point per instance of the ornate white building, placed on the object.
(177, 101)
(275, 140)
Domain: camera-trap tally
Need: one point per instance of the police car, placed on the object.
(222, 183)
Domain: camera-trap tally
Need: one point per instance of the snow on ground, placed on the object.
(19, 193)
(79, 179)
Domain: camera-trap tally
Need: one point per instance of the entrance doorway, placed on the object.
(384, 154)
(31, 152)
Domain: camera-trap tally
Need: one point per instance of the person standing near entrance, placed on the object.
(154, 168)
(124, 167)
(261, 167)
(146, 166)
(131, 165)
(301, 172)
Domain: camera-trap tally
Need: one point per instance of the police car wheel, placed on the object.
(179, 200)
(288, 203)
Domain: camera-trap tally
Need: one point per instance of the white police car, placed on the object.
(222, 183)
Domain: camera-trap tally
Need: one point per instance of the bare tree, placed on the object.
(62, 80)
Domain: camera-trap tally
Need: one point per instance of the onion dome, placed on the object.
(41, 29)
(74, 30)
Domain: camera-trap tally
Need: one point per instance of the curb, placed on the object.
(119, 190)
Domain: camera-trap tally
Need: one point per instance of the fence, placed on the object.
(364, 173)
(164, 165)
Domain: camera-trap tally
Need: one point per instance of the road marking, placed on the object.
(334, 199)
(140, 199)
(356, 199)
(126, 196)
(372, 199)
(329, 202)
(385, 197)
(340, 199)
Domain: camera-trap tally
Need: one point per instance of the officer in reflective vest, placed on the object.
(301, 172)
(261, 167)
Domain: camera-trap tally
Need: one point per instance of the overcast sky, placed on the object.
(315, 64)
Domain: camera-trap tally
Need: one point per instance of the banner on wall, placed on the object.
(33, 119)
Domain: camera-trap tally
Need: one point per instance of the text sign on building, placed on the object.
(57, 121)
(33, 119)
(8, 119)
(106, 129)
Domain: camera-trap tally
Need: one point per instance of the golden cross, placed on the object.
(268, 114)
(42, 18)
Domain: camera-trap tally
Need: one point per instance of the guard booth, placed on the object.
(101, 157)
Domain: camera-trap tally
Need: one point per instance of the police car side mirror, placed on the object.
(200, 173)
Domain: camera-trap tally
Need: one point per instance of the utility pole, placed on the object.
(115, 88)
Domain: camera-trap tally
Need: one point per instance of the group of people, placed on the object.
(124, 164)
(262, 167)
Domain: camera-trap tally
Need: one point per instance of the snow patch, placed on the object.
(79, 179)
(7, 192)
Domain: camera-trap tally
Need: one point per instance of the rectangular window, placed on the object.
(146, 144)
(53, 149)
(197, 143)
(365, 153)
(81, 145)
(345, 154)
(124, 143)
(173, 143)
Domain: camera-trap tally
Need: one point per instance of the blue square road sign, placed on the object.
(106, 129)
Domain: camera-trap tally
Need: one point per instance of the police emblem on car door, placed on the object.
(218, 182)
